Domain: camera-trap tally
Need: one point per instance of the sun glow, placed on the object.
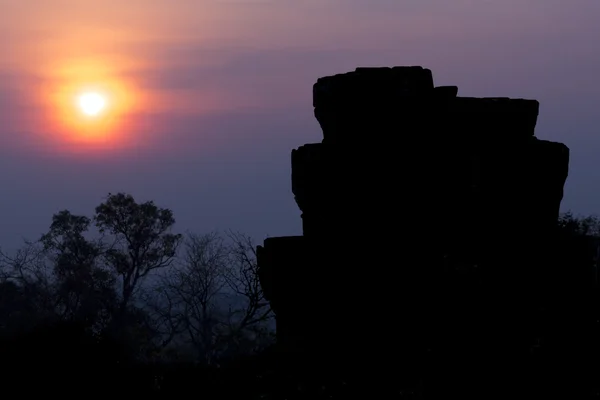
(92, 103)
(91, 106)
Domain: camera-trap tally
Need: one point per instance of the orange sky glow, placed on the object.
(71, 49)
(139, 53)
(205, 99)
(71, 79)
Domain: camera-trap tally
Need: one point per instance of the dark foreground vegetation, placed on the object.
(118, 304)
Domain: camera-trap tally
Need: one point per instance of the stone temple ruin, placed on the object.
(428, 223)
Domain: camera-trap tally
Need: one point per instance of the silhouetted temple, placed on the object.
(428, 222)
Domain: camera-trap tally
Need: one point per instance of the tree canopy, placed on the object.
(124, 276)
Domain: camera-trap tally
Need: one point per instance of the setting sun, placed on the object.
(92, 103)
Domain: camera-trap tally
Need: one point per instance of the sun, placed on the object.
(91, 103)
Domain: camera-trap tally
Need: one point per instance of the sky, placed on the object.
(207, 98)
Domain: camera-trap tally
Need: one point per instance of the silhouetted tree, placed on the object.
(28, 292)
(570, 225)
(142, 241)
(210, 302)
(85, 289)
(193, 289)
(250, 315)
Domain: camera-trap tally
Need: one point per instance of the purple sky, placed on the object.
(219, 92)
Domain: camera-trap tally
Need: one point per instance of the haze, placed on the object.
(219, 92)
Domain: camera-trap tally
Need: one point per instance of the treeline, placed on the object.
(97, 295)
(121, 287)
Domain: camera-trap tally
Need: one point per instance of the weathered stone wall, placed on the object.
(421, 211)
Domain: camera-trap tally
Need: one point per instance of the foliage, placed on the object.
(570, 225)
(141, 239)
(101, 293)
(122, 277)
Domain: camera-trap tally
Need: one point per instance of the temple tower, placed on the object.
(428, 221)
